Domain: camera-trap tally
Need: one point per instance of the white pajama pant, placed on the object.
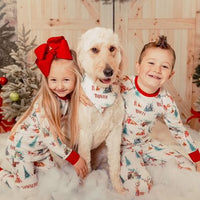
(24, 174)
(134, 160)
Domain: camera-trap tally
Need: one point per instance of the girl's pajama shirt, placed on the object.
(29, 149)
(138, 149)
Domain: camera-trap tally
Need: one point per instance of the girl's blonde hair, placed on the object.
(52, 109)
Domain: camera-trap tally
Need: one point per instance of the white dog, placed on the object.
(100, 59)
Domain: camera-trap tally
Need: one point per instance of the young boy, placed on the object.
(146, 100)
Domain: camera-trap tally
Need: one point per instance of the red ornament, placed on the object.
(3, 80)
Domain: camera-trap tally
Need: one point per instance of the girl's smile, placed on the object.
(61, 79)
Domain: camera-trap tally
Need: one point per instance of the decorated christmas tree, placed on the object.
(7, 34)
(196, 80)
(21, 80)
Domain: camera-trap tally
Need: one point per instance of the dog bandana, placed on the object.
(100, 97)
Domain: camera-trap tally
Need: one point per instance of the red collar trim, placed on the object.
(143, 92)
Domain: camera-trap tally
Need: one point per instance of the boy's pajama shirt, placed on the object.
(29, 148)
(138, 149)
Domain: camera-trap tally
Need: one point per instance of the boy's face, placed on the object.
(155, 69)
(61, 79)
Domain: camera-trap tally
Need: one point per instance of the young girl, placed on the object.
(39, 130)
(146, 100)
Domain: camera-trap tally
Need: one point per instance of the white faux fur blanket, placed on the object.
(63, 184)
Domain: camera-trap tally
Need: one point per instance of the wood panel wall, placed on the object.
(136, 22)
(48, 18)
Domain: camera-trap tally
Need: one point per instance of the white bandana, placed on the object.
(100, 97)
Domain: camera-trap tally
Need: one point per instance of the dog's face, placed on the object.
(99, 55)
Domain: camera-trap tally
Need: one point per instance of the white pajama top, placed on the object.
(33, 139)
(141, 112)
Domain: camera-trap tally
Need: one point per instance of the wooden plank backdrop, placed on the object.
(48, 18)
(136, 22)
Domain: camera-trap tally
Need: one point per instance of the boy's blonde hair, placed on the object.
(161, 42)
(52, 108)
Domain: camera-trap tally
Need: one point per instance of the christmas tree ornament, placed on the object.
(14, 96)
(23, 79)
(196, 76)
(3, 80)
(196, 79)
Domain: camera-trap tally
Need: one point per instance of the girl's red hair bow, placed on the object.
(56, 47)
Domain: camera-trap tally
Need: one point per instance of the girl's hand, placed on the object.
(81, 168)
(83, 98)
(198, 166)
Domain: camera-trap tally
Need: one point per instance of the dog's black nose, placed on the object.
(108, 71)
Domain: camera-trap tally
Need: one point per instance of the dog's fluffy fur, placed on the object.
(99, 49)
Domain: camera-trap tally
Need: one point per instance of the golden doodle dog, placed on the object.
(100, 58)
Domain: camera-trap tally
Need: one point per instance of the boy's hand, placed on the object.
(81, 168)
(83, 98)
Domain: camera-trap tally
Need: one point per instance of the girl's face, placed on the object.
(61, 79)
(155, 69)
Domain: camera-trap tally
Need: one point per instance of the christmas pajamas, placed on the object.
(29, 149)
(138, 149)
(25, 174)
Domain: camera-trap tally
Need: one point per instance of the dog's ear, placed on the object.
(76, 62)
(80, 67)
(79, 56)
(81, 70)
(123, 64)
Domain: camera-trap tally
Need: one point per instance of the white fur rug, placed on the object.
(63, 184)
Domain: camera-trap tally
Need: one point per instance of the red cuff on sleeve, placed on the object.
(1, 169)
(195, 156)
(73, 157)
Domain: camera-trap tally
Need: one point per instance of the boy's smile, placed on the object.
(155, 69)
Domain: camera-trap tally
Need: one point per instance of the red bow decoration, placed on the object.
(196, 114)
(45, 53)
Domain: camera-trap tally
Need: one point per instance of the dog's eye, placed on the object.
(112, 48)
(95, 50)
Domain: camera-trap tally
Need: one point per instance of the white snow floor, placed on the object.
(63, 184)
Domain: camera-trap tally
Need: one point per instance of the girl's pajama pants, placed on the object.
(134, 160)
(25, 174)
